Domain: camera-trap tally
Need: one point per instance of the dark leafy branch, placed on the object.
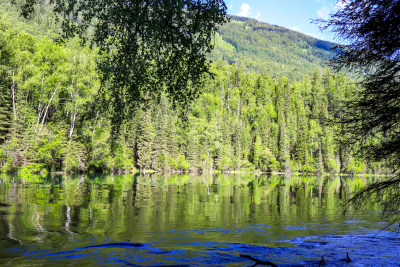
(371, 34)
(147, 46)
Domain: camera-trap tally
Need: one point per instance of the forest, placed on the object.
(250, 115)
(262, 47)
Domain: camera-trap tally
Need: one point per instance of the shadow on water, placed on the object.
(188, 220)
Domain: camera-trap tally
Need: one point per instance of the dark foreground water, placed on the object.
(188, 220)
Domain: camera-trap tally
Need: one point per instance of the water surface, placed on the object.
(188, 220)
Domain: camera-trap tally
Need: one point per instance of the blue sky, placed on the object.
(292, 14)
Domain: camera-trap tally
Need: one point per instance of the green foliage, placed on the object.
(263, 47)
(145, 140)
(10, 155)
(249, 167)
(6, 109)
(182, 164)
(49, 148)
(172, 163)
(123, 157)
(369, 30)
(33, 168)
(355, 166)
(308, 169)
(332, 166)
(268, 161)
(167, 42)
(257, 150)
(74, 157)
(242, 120)
(99, 155)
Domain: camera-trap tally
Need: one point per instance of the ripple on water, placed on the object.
(295, 228)
(362, 249)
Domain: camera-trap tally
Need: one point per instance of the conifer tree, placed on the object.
(193, 150)
(172, 138)
(257, 150)
(302, 137)
(317, 94)
(227, 151)
(159, 149)
(145, 140)
(5, 114)
(283, 140)
(5, 86)
(238, 150)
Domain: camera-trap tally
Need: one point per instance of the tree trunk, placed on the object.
(48, 105)
(13, 94)
(73, 118)
(40, 107)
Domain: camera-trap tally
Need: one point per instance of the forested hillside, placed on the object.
(259, 47)
(263, 113)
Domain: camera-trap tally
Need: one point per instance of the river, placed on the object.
(188, 220)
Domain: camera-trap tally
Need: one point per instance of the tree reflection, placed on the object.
(52, 211)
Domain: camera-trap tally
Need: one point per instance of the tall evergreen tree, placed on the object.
(5, 85)
(302, 137)
(145, 141)
(283, 140)
(5, 109)
(317, 94)
(159, 149)
(257, 150)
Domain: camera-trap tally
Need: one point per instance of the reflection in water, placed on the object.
(182, 219)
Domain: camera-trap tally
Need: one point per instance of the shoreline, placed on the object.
(153, 172)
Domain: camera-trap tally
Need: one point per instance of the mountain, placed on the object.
(263, 47)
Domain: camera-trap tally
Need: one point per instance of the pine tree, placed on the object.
(172, 142)
(193, 150)
(283, 140)
(159, 149)
(145, 140)
(317, 93)
(237, 144)
(227, 151)
(5, 85)
(302, 137)
(257, 150)
(5, 107)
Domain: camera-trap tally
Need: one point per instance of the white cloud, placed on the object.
(324, 12)
(312, 35)
(244, 10)
(295, 28)
(258, 15)
(230, 7)
(340, 4)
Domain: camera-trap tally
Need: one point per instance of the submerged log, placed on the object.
(258, 261)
